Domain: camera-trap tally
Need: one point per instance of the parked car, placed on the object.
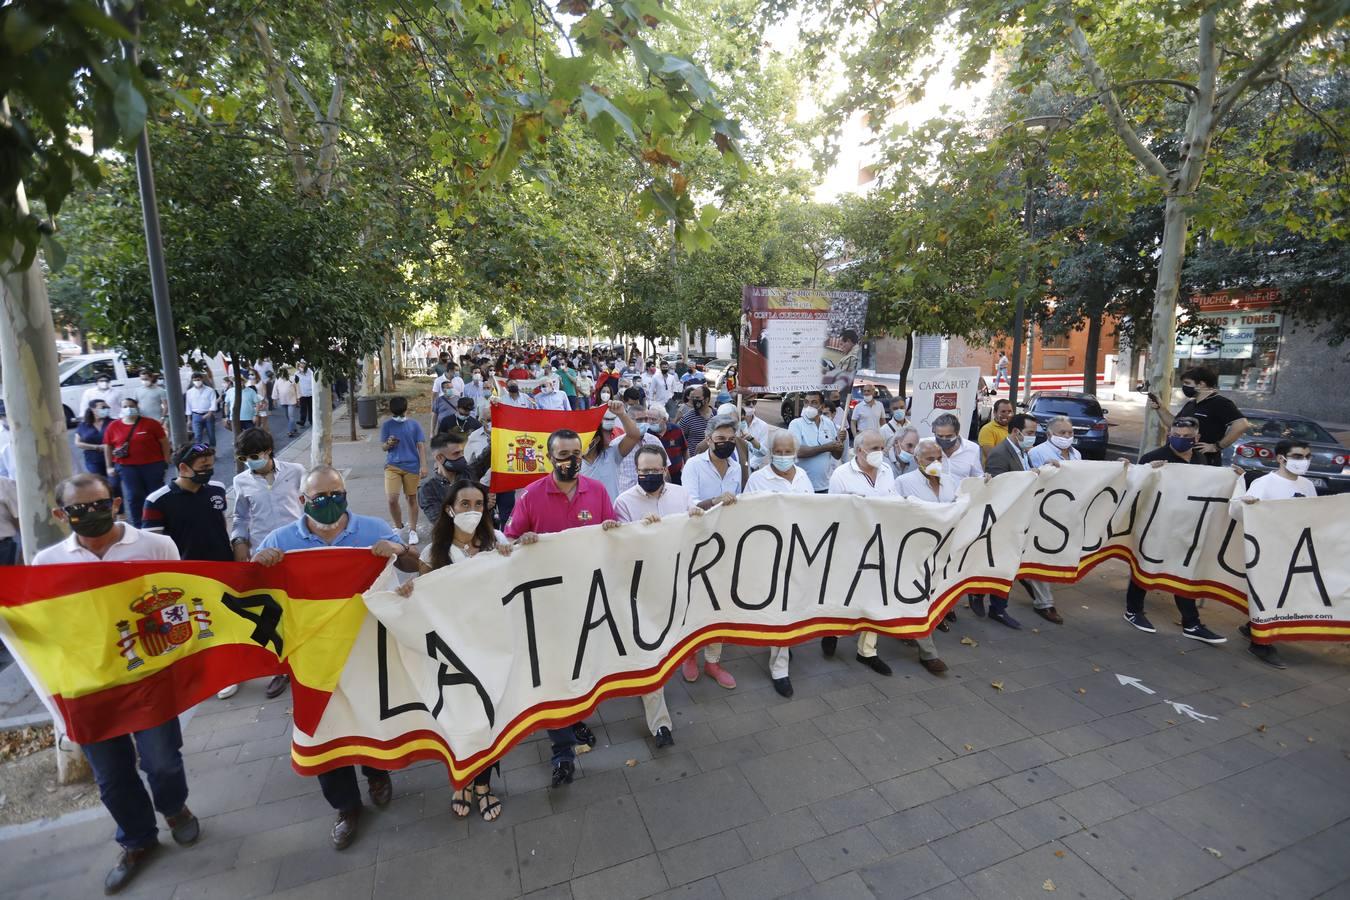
(1255, 451)
(715, 370)
(1091, 431)
(78, 374)
(67, 349)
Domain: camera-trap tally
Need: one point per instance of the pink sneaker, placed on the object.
(719, 674)
(690, 667)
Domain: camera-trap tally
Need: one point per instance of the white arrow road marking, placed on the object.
(1186, 710)
(1135, 683)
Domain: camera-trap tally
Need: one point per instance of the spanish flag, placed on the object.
(123, 646)
(520, 439)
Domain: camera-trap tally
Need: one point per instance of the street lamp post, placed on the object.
(1034, 124)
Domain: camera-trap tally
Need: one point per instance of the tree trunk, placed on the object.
(386, 367)
(33, 404)
(368, 386)
(236, 364)
(1162, 347)
(1094, 345)
(351, 403)
(1031, 361)
(906, 365)
(321, 433)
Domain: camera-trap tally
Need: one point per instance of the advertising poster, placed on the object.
(800, 339)
(938, 391)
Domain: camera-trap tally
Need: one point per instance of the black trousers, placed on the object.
(1134, 603)
(306, 410)
(340, 788)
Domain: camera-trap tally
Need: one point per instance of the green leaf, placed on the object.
(129, 105)
(690, 74)
(54, 252)
(568, 74)
(599, 107)
(22, 33)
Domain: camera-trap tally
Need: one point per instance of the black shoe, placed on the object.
(1245, 630)
(783, 686)
(1267, 655)
(944, 626)
(276, 687)
(1140, 621)
(1201, 633)
(875, 663)
(127, 866)
(977, 605)
(583, 734)
(344, 828)
(381, 789)
(1002, 618)
(184, 827)
(828, 644)
(663, 737)
(563, 770)
(951, 616)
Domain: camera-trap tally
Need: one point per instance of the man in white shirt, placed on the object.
(715, 476)
(86, 503)
(201, 400)
(1058, 446)
(102, 390)
(928, 481)
(865, 475)
(304, 380)
(1285, 483)
(781, 476)
(960, 457)
(515, 397)
(818, 442)
(869, 412)
(549, 397)
(646, 420)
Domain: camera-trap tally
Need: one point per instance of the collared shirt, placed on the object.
(868, 416)
(605, 469)
(635, 503)
(248, 403)
(133, 545)
(195, 520)
(814, 434)
(990, 435)
(703, 481)
(201, 399)
(1044, 452)
(695, 427)
(112, 396)
(306, 382)
(628, 465)
(544, 509)
(360, 531)
(554, 399)
(964, 462)
(672, 441)
(285, 393)
(915, 484)
(260, 507)
(521, 400)
(152, 401)
(1020, 454)
(851, 479)
(768, 481)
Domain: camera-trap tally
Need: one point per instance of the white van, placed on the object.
(79, 373)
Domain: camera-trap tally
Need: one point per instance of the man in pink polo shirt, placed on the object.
(564, 500)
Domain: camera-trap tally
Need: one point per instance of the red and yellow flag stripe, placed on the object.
(520, 439)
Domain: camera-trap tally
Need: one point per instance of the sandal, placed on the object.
(460, 804)
(489, 807)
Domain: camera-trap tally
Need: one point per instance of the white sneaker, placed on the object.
(228, 692)
(412, 537)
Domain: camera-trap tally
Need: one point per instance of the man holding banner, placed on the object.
(87, 505)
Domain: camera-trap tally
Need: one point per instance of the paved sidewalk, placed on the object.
(1028, 771)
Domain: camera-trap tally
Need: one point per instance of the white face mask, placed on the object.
(399, 418)
(101, 412)
(934, 468)
(604, 395)
(810, 413)
(784, 463)
(129, 415)
(1028, 441)
(1297, 466)
(875, 458)
(1061, 441)
(609, 422)
(467, 521)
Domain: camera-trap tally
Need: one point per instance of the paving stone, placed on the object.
(666, 766)
(707, 856)
(972, 769)
(914, 788)
(1032, 786)
(786, 737)
(848, 810)
(1034, 825)
(1023, 877)
(890, 749)
(1094, 804)
(483, 866)
(728, 753)
(773, 876)
(911, 828)
(1078, 739)
(973, 806)
(1043, 710)
(952, 890)
(978, 725)
(409, 837)
(848, 886)
(852, 696)
(799, 710)
(347, 886)
(1085, 769)
(238, 884)
(1027, 754)
(628, 881)
(317, 865)
(781, 832)
(910, 874)
(698, 806)
(612, 833)
(843, 852)
(975, 848)
(801, 776)
(557, 892)
(545, 849)
(847, 720)
(1148, 786)
(704, 889)
(1144, 858)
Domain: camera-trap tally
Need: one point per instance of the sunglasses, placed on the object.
(328, 497)
(77, 510)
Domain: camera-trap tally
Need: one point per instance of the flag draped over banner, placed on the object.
(520, 438)
(118, 647)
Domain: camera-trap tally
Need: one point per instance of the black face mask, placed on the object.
(202, 477)
(92, 524)
(456, 465)
(1188, 390)
(724, 450)
(569, 470)
(651, 483)
(946, 443)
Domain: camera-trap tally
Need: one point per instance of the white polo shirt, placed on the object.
(134, 544)
(850, 479)
(965, 462)
(704, 483)
(554, 399)
(635, 503)
(915, 484)
(768, 481)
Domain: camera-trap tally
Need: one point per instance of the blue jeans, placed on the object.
(290, 417)
(564, 742)
(138, 482)
(204, 428)
(120, 786)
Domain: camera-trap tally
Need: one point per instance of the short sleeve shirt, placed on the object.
(409, 433)
(195, 520)
(544, 509)
(361, 531)
(813, 434)
(146, 441)
(868, 417)
(1215, 413)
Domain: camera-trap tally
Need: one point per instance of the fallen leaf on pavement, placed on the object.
(1245, 705)
(970, 642)
(998, 686)
(968, 746)
(1214, 853)
(1096, 668)
(1170, 722)
(1048, 886)
(1260, 728)
(1082, 690)
(630, 763)
(1311, 741)
(1059, 853)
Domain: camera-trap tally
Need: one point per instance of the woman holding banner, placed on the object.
(462, 531)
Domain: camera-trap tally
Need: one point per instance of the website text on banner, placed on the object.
(800, 340)
(123, 646)
(520, 441)
(483, 654)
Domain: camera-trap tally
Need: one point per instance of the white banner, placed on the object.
(487, 651)
(938, 391)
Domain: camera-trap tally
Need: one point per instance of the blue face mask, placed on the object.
(906, 457)
(1180, 444)
(256, 465)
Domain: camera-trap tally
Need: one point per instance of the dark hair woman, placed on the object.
(89, 437)
(462, 532)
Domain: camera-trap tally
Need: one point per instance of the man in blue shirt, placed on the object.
(405, 463)
(327, 523)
